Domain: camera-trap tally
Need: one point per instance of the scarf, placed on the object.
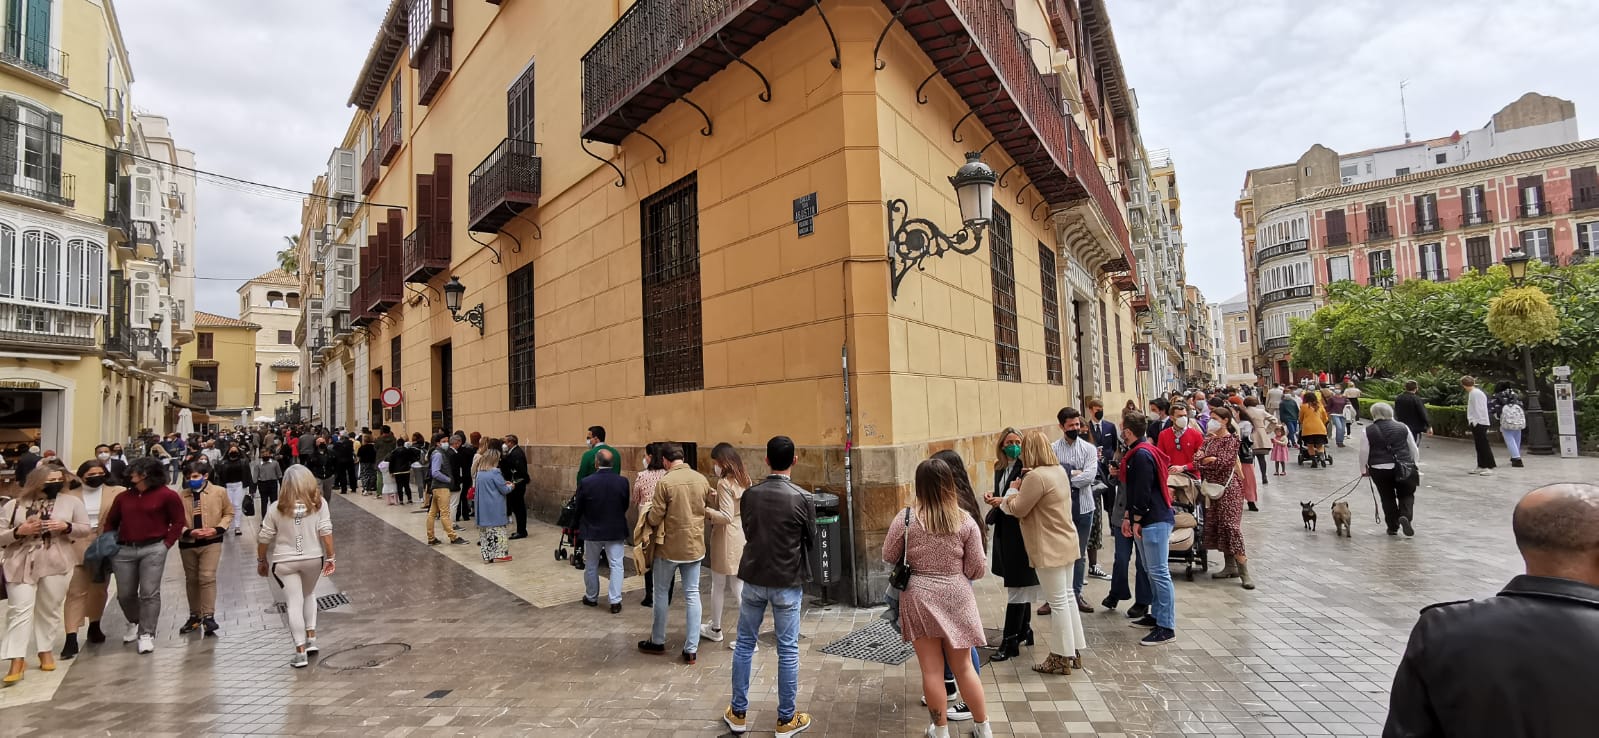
(1162, 466)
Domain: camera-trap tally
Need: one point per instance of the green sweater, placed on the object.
(586, 466)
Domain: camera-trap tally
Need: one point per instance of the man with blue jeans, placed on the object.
(780, 529)
(602, 501)
(1081, 459)
(1148, 521)
(678, 512)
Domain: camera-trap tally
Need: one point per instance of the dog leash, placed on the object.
(1376, 507)
(1347, 488)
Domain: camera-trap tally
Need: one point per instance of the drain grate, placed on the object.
(323, 603)
(878, 642)
(365, 656)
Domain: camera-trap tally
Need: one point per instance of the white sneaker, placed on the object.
(1477, 470)
(146, 644)
(132, 634)
(300, 660)
(310, 646)
(937, 731)
(710, 634)
(982, 730)
(1486, 473)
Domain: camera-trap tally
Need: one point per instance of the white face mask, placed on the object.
(1180, 421)
(716, 470)
(588, 442)
(104, 456)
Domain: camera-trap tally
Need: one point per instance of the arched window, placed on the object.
(41, 266)
(294, 300)
(274, 299)
(85, 273)
(8, 261)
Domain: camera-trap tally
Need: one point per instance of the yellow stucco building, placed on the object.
(222, 356)
(689, 253)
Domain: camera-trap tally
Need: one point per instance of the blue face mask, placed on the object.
(196, 483)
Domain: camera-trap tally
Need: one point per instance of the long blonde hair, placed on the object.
(937, 506)
(34, 488)
(299, 485)
(1036, 451)
(489, 458)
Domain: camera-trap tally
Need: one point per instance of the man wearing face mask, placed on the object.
(267, 473)
(594, 440)
(1181, 440)
(209, 514)
(235, 477)
(1148, 522)
(441, 466)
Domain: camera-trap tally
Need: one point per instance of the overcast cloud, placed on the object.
(258, 90)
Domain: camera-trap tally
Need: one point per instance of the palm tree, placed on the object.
(289, 258)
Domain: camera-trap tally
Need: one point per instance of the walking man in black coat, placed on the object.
(1523, 663)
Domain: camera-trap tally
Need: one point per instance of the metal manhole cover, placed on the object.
(877, 642)
(366, 656)
(324, 603)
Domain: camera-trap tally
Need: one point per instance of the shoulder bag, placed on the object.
(1404, 471)
(901, 578)
(1214, 491)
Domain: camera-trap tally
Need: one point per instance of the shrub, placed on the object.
(1449, 421)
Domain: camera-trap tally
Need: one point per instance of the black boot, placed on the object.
(1026, 628)
(1010, 641)
(95, 634)
(70, 650)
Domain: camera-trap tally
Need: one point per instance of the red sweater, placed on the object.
(142, 516)
(1191, 441)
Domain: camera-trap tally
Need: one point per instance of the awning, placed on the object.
(181, 381)
(189, 405)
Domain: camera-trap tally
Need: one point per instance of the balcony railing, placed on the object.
(1440, 274)
(1302, 292)
(369, 172)
(389, 139)
(44, 326)
(1585, 200)
(425, 254)
(33, 55)
(1379, 232)
(344, 208)
(116, 107)
(360, 316)
(1288, 248)
(61, 192)
(1428, 225)
(1280, 342)
(1533, 209)
(204, 398)
(1335, 240)
(382, 287)
(1479, 218)
(145, 239)
(433, 68)
(506, 183)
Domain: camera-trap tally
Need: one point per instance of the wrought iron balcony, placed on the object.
(382, 287)
(1479, 218)
(41, 326)
(1585, 200)
(61, 191)
(426, 252)
(344, 208)
(360, 316)
(1428, 225)
(1287, 248)
(1533, 209)
(1302, 292)
(1379, 232)
(369, 172)
(204, 398)
(116, 108)
(506, 183)
(1440, 274)
(33, 55)
(1280, 342)
(433, 67)
(390, 138)
(145, 239)
(1335, 240)
(660, 50)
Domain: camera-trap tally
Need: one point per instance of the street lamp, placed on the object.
(1537, 432)
(913, 239)
(453, 290)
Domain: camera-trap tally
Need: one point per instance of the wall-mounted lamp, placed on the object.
(453, 290)
(915, 239)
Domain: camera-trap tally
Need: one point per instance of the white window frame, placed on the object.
(1588, 238)
(1429, 259)
(1348, 269)
(32, 133)
(144, 207)
(1536, 247)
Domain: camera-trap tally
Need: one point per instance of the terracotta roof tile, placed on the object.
(204, 319)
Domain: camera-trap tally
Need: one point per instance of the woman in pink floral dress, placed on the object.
(938, 610)
(1217, 462)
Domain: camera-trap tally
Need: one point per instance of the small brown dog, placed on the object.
(1341, 519)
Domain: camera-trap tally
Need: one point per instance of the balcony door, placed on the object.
(1479, 253)
(519, 107)
(28, 31)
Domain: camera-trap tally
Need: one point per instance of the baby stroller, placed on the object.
(1188, 530)
(568, 523)
(1322, 459)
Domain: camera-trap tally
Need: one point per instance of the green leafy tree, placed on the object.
(289, 258)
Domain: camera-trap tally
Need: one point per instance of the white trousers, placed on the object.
(34, 616)
(1056, 582)
(298, 579)
(723, 585)
(236, 497)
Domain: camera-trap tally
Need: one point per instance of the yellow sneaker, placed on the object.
(795, 725)
(735, 721)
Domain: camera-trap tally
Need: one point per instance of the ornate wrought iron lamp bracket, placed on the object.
(473, 316)
(621, 179)
(912, 240)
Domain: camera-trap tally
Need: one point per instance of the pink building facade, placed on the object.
(1429, 225)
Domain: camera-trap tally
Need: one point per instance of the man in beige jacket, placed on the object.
(209, 514)
(678, 511)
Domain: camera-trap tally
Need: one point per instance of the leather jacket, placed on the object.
(1522, 664)
(779, 531)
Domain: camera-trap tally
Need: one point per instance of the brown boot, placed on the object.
(1229, 571)
(1055, 664)
(1243, 576)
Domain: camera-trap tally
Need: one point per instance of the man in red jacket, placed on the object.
(1181, 440)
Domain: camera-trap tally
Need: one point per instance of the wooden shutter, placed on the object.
(1337, 228)
(519, 108)
(8, 138)
(442, 185)
(1522, 184)
(1585, 186)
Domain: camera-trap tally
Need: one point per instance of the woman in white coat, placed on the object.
(295, 545)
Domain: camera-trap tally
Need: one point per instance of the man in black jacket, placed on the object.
(513, 466)
(602, 502)
(461, 469)
(1410, 410)
(343, 463)
(1522, 664)
(780, 529)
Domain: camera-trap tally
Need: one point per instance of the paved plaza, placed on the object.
(434, 642)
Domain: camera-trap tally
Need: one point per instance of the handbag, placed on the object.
(248, 505)
(901, 578)
(1404, 471)
(1214, 491)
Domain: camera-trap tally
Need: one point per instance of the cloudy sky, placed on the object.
(258, 90)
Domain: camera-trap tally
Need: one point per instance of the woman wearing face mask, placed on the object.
(209, 513)
(268, 474)
(148, 519)
(1010, 560)
(38, 530)
(86, 597)
(722, 510)
(235, 478)
(295, 545)
(651, 468)
(1217, 462)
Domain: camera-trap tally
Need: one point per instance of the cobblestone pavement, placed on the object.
(458, 649)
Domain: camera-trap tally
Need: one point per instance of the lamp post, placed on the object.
(453, 290)
(913, 239)
(1537, 432)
